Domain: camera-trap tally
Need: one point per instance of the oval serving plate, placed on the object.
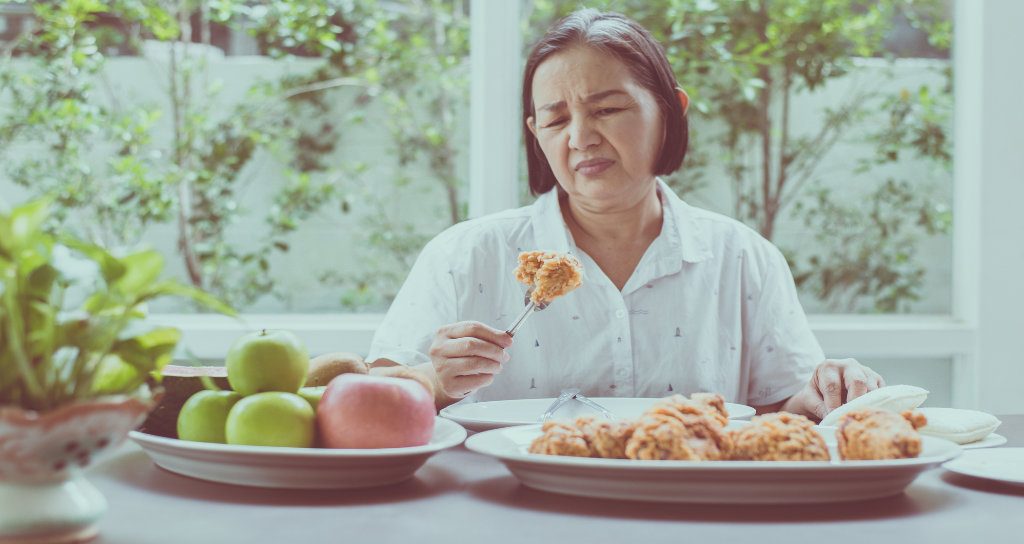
(708, 482)
(296, 468)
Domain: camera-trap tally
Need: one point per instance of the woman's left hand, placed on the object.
(834, 383)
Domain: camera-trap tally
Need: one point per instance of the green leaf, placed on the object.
(114, 376)
(141, 270)
(23, 226)
(173, 288)
(40, 282)
(146, 351)
(111, 268)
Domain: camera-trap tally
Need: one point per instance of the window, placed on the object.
(827, 128)
(290, 157)
(396, 164)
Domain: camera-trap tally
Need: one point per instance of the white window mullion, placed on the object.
(494, 135)
(967, 120)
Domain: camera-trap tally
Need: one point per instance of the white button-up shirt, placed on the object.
(710, 307)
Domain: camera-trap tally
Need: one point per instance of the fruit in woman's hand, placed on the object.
(323, 368)
(272, 419)
(204, 416)
(267, 361)
(312, 394)
(362, 411)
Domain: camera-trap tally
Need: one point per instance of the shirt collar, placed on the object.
(679, 226)
(692, 239)
(551, 232)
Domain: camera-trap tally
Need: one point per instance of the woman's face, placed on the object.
(599, 129)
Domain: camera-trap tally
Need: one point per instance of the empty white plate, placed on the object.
(297, 468)
(708, 482)
(1000, 464)
(484, 416)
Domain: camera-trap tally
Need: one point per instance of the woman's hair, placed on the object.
(633, 45)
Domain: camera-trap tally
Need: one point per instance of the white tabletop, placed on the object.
(459, 496)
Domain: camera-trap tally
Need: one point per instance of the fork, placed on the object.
(567, 395)
(530, 308)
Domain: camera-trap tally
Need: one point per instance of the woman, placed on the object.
(674, 298)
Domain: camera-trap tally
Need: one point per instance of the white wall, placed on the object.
(990, 174)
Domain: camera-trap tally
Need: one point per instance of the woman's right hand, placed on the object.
(467, 356)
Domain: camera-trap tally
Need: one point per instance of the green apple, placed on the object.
(204, 415)
(273, 418)
(267, 361)
(312, 394)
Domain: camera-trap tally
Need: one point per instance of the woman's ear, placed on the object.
(531, 126)
(684, 99)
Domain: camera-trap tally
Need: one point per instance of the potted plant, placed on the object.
(79, 368)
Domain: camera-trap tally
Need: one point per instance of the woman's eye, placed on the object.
(608, 111)
(554, 123)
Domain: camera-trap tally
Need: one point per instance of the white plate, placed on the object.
(297, 468)
(496, 414)
(708, 482)
(990, 441)
(1001, 464)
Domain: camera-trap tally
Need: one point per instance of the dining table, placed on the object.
(462, 496)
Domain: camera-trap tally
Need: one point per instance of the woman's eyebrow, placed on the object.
(591, 98)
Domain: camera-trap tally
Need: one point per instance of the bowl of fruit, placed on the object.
(270, 417)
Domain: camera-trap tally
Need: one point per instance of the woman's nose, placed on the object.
(582, 135)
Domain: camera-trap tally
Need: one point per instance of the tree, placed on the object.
(195, 181)
(743, 64)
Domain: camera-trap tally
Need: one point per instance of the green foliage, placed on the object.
(71, 315)
(403, 67)
(871, 246)
(746, 66)
(115, 180)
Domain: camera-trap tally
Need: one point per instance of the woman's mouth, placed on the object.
(593, 167)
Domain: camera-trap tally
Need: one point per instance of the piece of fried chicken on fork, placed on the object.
(555, 278)
(871, 433)
(529, 263)
(551, 275)
(780, 436)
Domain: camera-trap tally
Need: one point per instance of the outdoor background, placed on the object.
(294, 156)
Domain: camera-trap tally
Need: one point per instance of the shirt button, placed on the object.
(619, 313)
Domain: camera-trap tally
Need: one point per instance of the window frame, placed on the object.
(981, 359)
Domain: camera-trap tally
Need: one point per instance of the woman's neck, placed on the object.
(639, 222)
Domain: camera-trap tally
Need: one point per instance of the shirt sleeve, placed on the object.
(425, 302)
(781, 349)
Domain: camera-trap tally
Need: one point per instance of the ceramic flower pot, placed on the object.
(44, 495)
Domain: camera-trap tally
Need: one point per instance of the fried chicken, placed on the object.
(529, 263)
(660, 437)
(708, 404)
(779, 437)
(606, 439)
(681, 430)
(675, 428)
(871, 433)
(550, 274)
(585, 437)
(561, 439)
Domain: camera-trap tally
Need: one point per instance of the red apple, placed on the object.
(363, 411)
